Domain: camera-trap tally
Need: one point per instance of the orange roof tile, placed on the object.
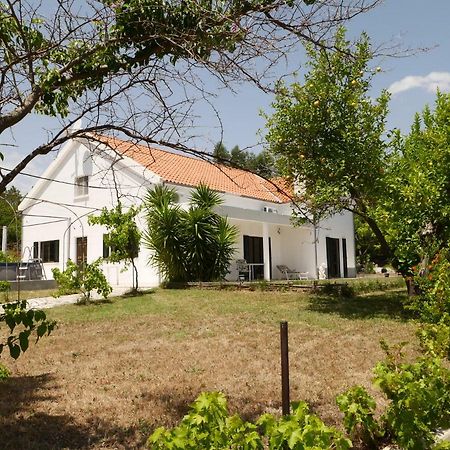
(189, 171)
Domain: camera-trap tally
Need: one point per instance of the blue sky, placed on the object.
(412, 80)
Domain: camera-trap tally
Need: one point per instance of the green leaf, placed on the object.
(23, 340)
(14, 351)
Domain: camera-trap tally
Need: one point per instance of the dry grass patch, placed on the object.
(112, 372)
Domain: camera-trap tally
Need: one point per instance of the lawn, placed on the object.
(26, 295)
(114, 371)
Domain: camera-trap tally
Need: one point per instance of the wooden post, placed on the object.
(284, 368)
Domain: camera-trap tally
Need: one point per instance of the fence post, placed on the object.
(285, 401)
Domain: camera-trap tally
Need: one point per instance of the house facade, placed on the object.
(89, 174)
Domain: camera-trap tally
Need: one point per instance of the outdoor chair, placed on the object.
(292, 274)
(243, 269)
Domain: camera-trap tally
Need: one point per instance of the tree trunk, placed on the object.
(135, 276)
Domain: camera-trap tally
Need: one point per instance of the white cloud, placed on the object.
(430, 83)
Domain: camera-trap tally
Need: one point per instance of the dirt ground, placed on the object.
(113, 372)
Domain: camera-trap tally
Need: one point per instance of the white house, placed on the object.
(89, 174)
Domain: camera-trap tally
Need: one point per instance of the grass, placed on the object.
(26, 295)
(113, 371)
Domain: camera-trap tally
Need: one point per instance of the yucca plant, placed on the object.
(194, 244)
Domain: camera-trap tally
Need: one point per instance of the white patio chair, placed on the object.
(292, 274)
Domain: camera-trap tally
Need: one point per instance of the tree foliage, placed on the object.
(262, 163)
(192, 244)
(327, 132)
(415, 212)
(124, 236)
(329, 137)
(9, 215)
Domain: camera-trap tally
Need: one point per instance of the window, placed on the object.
(106, 249)
(48, 251)
(81, 186)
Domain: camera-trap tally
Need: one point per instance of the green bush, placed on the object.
(434, 338)
(338, 290)
(6, 258)
(4, 372)
(418, 395)
(208, 426)
(83, 278)
(433, 284)
(5, 288)
(359, 415)
(194, 244)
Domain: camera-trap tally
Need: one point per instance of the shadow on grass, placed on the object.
(24, 427)
(137, 293)
(386, 305)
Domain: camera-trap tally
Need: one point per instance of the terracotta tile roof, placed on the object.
(190, 171)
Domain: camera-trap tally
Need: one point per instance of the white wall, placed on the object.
(339, 226)
(291, 246)
(61, 202)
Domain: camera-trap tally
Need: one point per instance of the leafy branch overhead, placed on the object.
(31, 323)
(99, 60)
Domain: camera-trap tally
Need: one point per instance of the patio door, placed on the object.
(254, 254)
(344, 257)
(333, 258)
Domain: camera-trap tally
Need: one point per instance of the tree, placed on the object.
(263, 163)
(415, 212)
(194, 244)
(327, 134)
(123, 238)
(134, 66)
(220, 153)
(9, 215)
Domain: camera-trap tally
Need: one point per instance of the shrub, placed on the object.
(338, 290)
(301, 430)
(359, 412)
(419, 395)
(434, 338)
(419, 403)
(83, 278)
(194, 244)
(6, 257)
(5, 287)
(208, 426)
(433, 285)
(4, 372)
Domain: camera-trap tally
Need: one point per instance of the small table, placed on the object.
(251, 273)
